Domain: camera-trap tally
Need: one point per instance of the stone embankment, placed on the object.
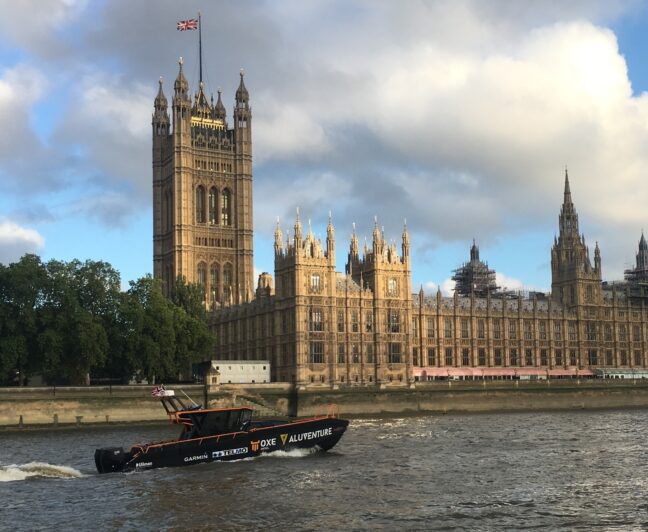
(79, 406)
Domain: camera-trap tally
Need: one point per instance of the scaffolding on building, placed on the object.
(475, 277)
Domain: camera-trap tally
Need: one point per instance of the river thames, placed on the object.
(558, 470)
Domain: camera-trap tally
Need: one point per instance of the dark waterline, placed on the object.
(560, 470)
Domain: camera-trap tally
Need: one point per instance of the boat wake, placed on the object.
(14, 472)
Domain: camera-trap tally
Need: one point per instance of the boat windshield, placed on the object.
(210, 423)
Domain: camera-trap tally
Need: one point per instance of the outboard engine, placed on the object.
(111, 459)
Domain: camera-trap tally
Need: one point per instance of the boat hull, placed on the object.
(320, 433)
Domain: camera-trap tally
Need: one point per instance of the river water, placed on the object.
(574, 470)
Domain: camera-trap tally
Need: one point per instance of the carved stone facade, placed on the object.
(366, 327)
(202, 193)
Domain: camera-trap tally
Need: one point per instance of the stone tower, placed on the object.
(202, 193)
(574, 281)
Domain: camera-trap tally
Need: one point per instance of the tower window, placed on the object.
(213, 282)
(315, 282)
(213, 206)
(202, 276)
(227, 281)
(226, 208)
(200, 205)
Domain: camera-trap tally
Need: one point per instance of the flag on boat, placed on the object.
(187, 25)
(158, 391)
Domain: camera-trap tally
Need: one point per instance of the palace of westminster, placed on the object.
(365, 326)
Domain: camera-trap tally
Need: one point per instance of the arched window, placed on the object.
(227, 281)
(168, 211)
(213, 282)
(213, 206)
(202, 276)
(200, 205)
(226, 208)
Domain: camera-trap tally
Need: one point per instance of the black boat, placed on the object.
(210, 435)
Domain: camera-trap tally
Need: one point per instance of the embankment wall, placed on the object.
(50, 407)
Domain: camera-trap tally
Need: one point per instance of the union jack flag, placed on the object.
(187, 25)
(158, 391)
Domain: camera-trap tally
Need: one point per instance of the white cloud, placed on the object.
(16, 240)
(447, 287)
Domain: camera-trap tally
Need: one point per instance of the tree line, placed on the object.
(70, 322)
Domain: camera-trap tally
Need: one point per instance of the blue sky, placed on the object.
(459, 117)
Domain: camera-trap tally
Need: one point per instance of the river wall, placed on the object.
(81, 406)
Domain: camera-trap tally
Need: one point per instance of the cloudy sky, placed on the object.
(457, 116)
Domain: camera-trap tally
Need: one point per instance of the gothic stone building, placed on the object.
(202, 193)
(364, 326)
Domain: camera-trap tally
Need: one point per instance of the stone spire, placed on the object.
(330, 238)
(278, 240)
(474, 252)
(298, 231)
(597, 258)
(242, 95)
(181, 85)
(406, 242)
(219, 108)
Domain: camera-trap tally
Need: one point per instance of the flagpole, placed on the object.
(200, 45)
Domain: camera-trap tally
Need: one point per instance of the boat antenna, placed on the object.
(192, 401)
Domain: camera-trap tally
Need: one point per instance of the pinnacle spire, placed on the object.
(242, 94)
(567, 189)
(219, 108)
(643, 246)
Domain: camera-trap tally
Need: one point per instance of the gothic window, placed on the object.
(316, 353)
(226, 207)
(465, 357)
(355, 354)
(200, 204)
(341, 354)
(315, 282)
(498, 357)
(559, 358)
(590, 331)
(393, 317)
(528, 330)
(431, 356)
(528, 357)
(543, 329)
(573, 358)
(624, 357)
(636, 333)
(589, 294)
(415, 327)
(392, 286)
(481, 329)
(168, 211)
(448, 328)
(213, 206)
(609, 359)
(592, 355)
(637, 358)
(202, 276)
(557, 331)
(481, 356)
(464, 328)
(354, 321)
(213, 282)
(394, 353)
(315, 320)
(430, 327)
(369, 350)
(512, 330)
(544, 361)
(369, 322)
(608, 332)
(227, 281)
(497, 329)
(448, 356)
(513, 356)
(572, 331)
(340, 322)
(622, 333)
(415, 357)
